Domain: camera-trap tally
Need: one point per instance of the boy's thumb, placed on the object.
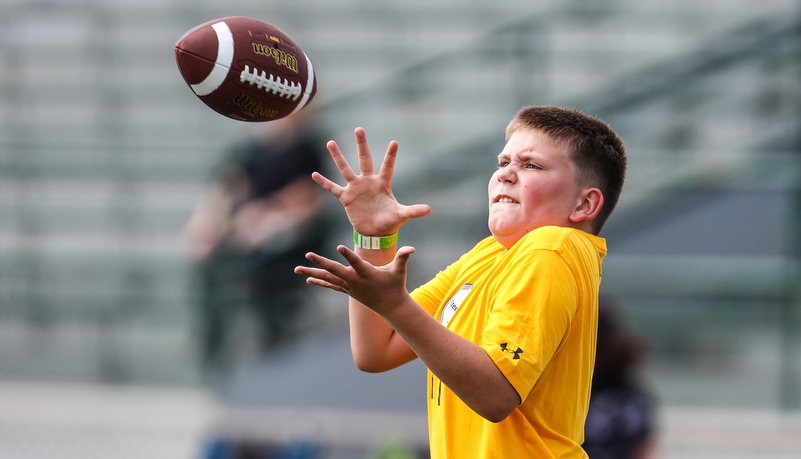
(403, 255)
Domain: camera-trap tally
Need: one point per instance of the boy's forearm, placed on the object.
(463, 366)
(376, 347)
(374, 344)
(395, 329)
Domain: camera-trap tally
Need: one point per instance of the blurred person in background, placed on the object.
(261, 214)
(620, 421)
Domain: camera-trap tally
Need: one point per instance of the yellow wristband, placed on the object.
(374, 242)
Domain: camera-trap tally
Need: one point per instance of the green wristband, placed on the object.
(374, 242)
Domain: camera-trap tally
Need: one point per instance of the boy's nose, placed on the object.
(506, 175)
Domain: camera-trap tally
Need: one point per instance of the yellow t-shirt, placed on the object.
(534, 309)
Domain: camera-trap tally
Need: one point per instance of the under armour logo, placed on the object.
(516, 353)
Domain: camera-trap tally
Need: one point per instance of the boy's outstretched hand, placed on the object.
(367, 197)
(381, 288)
(375, 280)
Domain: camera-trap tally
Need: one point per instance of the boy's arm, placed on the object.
(393, 315)
(372, 210)
(374, 344)
(463, 366)
(393, 329)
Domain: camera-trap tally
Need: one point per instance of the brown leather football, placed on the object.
(246, 69)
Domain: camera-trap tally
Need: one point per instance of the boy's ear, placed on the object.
(591, 202)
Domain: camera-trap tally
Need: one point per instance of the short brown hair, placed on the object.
(596, 150)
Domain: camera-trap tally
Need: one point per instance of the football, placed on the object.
(246, 69)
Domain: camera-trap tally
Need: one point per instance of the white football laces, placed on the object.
(270, 83)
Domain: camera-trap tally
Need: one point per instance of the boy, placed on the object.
(507, 331)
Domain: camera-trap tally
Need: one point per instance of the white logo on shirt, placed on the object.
(453, 304)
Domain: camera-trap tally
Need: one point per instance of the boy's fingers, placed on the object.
(388, 165)
(365, 158)
(328, 285)
(330, 266)
(327, 184)
(415, 211)
(320, 277)
(402, 257)
(356, 262)
(339, 159)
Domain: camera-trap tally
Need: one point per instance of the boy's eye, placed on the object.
(504, 163)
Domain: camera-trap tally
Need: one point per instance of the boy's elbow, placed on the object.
(497, 414)
(500, 407)
(367, 366)
(378, 360)
(370, 363)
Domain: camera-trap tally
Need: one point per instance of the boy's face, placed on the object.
(534, 186)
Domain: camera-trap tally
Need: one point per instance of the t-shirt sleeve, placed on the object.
(530, 317)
